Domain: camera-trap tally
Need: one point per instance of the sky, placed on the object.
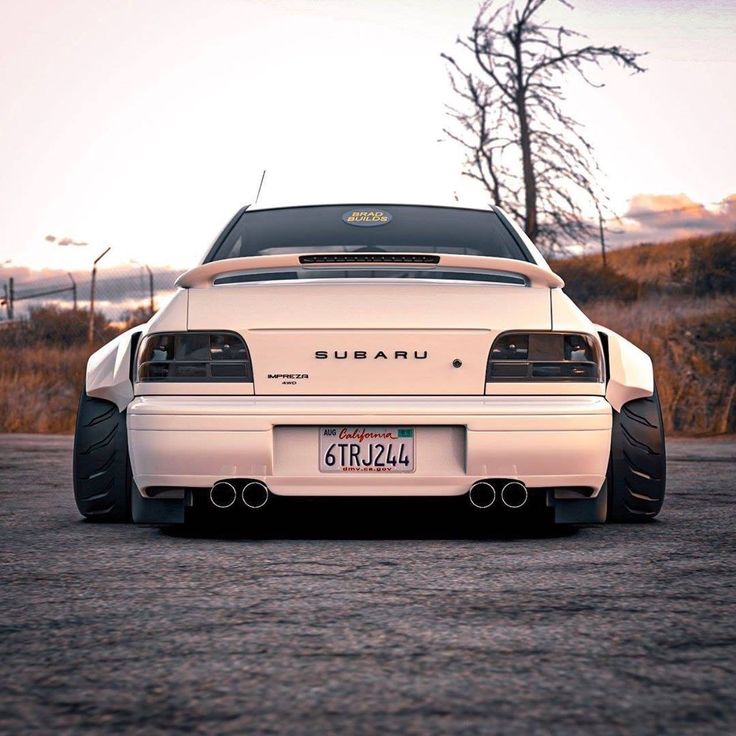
(144, 125)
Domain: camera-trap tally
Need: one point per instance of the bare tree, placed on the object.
(531, 156)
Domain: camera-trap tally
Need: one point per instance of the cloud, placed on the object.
(660, 217)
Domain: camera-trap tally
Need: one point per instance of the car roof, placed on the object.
(360, 203)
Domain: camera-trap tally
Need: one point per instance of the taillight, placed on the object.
(545, 356)
(194, 357)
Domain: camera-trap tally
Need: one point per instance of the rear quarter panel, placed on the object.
(630, 370)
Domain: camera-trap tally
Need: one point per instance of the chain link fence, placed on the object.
(117, 292)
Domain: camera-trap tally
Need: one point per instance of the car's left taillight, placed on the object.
(190, 357)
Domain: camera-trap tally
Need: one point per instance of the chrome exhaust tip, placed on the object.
(223, 494)
(255, 494)
(514, 495)
(482, 495)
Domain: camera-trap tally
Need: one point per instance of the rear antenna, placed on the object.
(260, 186)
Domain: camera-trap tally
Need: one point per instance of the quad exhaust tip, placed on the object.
(223, 495)
(255, 494)
(514, 495)
(482, 495)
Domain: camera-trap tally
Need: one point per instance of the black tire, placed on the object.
(637, 471)
(101, 468)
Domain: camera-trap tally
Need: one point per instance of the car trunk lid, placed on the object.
(369, 336)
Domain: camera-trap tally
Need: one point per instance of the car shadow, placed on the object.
(373, 519)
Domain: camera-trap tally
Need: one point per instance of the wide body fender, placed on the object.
(109, 369)
(630, 371)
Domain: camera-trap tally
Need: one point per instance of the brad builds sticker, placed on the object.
(366, 217)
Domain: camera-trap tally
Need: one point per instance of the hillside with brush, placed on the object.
(677, 301)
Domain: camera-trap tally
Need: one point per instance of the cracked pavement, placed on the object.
(373, 623)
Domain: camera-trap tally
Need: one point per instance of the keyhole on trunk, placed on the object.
(457, 363)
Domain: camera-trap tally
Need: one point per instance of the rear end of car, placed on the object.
(370, 351)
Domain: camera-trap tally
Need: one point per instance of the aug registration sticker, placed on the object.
(366, 217)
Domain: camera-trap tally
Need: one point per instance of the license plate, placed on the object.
(366, 449)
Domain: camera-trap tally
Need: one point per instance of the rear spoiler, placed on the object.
(206, 274)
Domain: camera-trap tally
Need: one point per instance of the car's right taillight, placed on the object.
(545, 356)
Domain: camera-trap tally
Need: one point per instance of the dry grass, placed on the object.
(39, 387)
(693, 266)
(659, 265)
(692, 343)
(677, 301)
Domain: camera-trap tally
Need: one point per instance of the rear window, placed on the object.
(369, 229)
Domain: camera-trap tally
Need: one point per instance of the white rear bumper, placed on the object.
(544, 441)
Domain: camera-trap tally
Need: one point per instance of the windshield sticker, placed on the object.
(366, 218)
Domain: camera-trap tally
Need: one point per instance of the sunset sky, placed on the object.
(145, 124)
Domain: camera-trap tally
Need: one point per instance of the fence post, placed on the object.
(152, 306)
(74, 290)
(91, 330)
(602, 238)
(11, 297)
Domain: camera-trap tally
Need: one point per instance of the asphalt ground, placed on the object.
(392, 622)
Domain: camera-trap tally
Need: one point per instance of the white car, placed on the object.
(370, 350)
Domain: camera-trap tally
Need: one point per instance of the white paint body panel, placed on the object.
(631, 371)
(108, 371)
(286, 323)
(543, 441)
(567, 316)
